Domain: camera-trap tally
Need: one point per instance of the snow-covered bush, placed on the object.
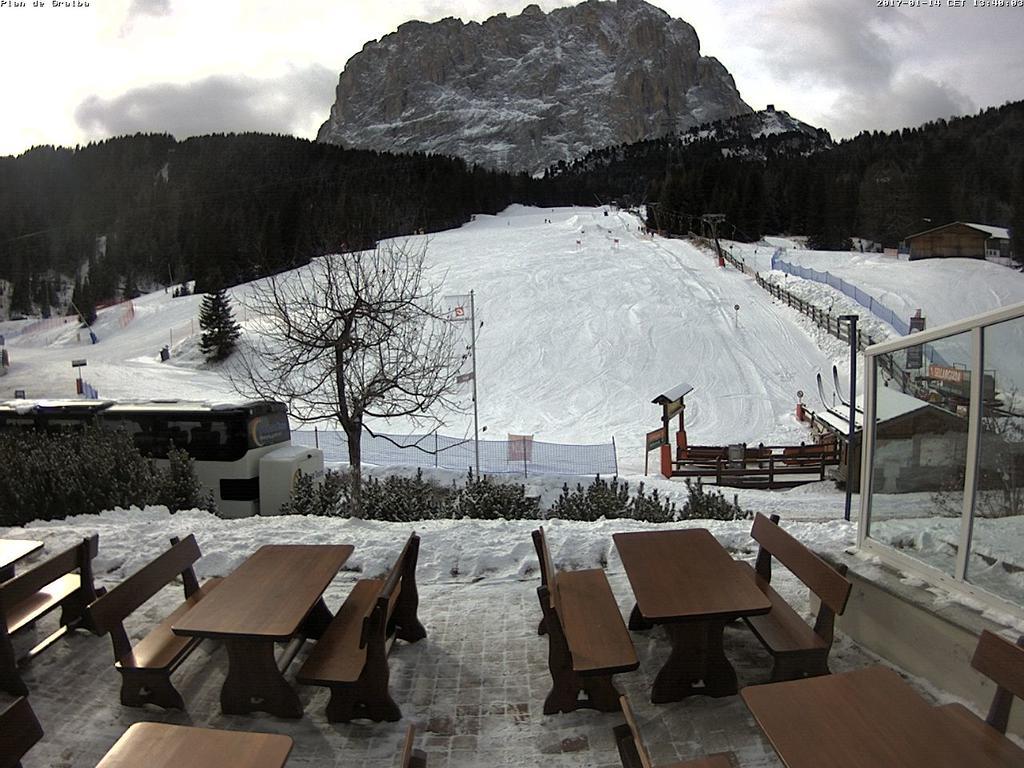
(611, 500)
(483, 499)
(178, 487)
(47, 475)
(710, 505)
(402, 499)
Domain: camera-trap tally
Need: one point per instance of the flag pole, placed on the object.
(472, 337)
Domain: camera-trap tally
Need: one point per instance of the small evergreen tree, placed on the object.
(178, 487)
(220, 331)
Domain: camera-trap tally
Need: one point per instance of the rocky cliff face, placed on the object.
(524, 92)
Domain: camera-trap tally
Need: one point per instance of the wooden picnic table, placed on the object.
(13, 550)
(871, 717)
(686, 580)
(274, 596)
(160, 745)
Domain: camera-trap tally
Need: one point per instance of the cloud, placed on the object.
(149, 8)
(860, 62)
(140, 8)
(908, 101)
(289, 103)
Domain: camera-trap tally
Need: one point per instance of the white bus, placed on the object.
(226, 441)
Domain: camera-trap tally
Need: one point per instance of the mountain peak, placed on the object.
(523, 92)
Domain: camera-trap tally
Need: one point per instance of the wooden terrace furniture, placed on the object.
(274, 596)
(870, 717)
(1003, 663)
(63, 581)
(351, 656)
(146, 666)
(633, 753)
(161, 745)
(685, 579)
(798, 650)
(587, 639)
(11, 551)
(19, 732)
(412, 757)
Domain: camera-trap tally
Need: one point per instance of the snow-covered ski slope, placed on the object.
(944, 289)
(576, 340)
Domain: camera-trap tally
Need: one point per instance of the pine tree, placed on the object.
(220, 331)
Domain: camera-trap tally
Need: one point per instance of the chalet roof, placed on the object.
(890, 404)
(989, 231)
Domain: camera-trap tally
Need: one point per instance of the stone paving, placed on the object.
(474, 689)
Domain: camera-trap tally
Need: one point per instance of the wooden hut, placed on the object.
(959, 240)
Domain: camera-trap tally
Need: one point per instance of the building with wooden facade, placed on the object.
(960, 240)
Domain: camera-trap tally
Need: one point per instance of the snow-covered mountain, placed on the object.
(753, 135)
(527, 91)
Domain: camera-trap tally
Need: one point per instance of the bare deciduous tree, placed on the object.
(351, 337)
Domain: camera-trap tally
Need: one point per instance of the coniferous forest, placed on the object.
(878, 186)
(218, 209)
(126, 213)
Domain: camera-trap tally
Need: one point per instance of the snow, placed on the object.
(997, 232)
(576, 342)
(946, 290)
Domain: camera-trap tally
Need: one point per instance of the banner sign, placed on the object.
(656, 439)
(520, 448)
(457, 307)
(671, 409)
(946, 373)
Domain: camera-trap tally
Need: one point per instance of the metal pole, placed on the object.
(472, 337)
(851, 321)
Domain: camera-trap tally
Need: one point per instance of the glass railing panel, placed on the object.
(996, 562)
(920, 451)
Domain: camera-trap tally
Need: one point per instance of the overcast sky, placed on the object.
(188, 67)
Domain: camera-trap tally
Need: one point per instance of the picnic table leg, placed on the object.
(10, 680)
(316, 621)
(637, 622)
(697, 657)
(254, 683)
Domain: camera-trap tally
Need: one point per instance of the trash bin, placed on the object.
(165, 355)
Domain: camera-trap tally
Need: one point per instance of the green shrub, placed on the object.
(483, 499)
(401, 499)
(326, 498)
(711, 505)
(611, 500)
(49, 475)
(178, 487)
(404, 499)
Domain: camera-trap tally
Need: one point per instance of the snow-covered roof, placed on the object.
(889, 404)
(679, 391)
(1000, 232)
(996, 232)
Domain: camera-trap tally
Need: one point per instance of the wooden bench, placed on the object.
(411, 757)
(146, 667)
(19, 732)
(633, 753)
(798, 649)
(587, 639)
(351, 657)
(1002, 662)
(162, 745)
(63, 581)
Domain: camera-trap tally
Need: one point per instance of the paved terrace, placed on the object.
(474, 688)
